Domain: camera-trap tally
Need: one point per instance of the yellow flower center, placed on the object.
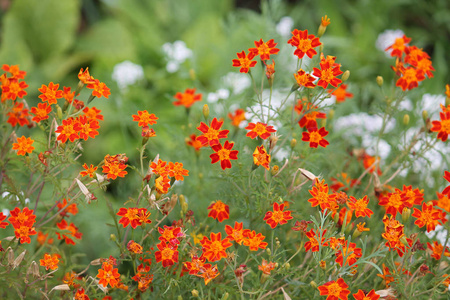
(315, 137)
(327, 75)
(259, 128)
(223, 154)
(277, 216)
(334, 289)
(445, 126)
(216, 246)
(167, 253)
(304, 45)
(212, 134)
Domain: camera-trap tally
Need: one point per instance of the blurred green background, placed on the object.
(53, 39)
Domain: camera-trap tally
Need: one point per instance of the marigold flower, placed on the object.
(176, 171)
(335, 290)
(419, 59)
(167, 254)
(314, 236)
(244, 61)
(68, 94)
(142, 277)
(214, 248)
(212, 134)
(187, 98)
(219, 211)
(325, 21)
(264, 50)
(23, 221)
(144, 118)
(224, 154)
(114, 169)
(99, 89)
(360, 206)
(193, 142)
(442, 126)
(371, 162)
(89, 170)
(68, 209)
(442, 202)
(270, 70)
(170, 234)
(411, 196)
(350, 252)
(304, 79)
(394, 231)
(310, 114)
(277, 216)
(92, 113)
(2, 218)
(259, 129)
(208, 272)
(237, 117)
(162, 184)
(341, 93)
(50, 93)
(18, 115)
(254, 241)
(85, 77)
(73, 231)
(80, 295)
(266, 267)
(108, 275)
(42, 238)
(68, 130)
(321, 197)
(327, 75)
(134, 247)
(429, 217)
(410, 78)
(160, 168)
(304, 43)
(132, 216)
(16, 73)
(50, 261)
(361, 295)
(399, 46)
(261, 157)
(315, 137)
(87, 128)
(437, 250)
(195, 264)
(360, 227)
(235, 233)
(41, 112)
(13, 89)
(23, 145)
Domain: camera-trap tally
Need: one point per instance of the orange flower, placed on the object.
(442, 202)
(394, 231)
(42, 238)
(261, 158)
(13, 89)
(345, 182)
(266, 267)
(304, 79)
(187, 98)
(360, 206)
(134, 247)
(23, 222)
(361, 295)
(212, 134)
(270, 70)
(133, 216)
(80, 295)
(3, 224)
(195, 264)
(87, 128)
(420, 60)
(310, 114)
(219, 211)
(327, 74)
(170, 234)
(335, 290)
(442, 126)
(68, 94)
(325, 21)
(259, 129)
(68, 130)
(277, 216)
(193, 142)
(264, 50)
(85, 77)
(410, 78)
(224, 154)
(50, 261)
(161, 168)
(437, 250)
(142, 277)
(99, 89)
(167, 254)
(371, 162)
(254, 241)
(114, 169)
(176, 171)
(18, 115)
(235, 234)
(162, 184)
(244, 61)
(399, 46)
(23, 145)
(360, 227)
(41, 112)
(73, 231)
(304, 43)
(341, 93)
(92, 113)
(315, 137)
(387, 276)
(144, 118)
(50, 93)
(208, 273)
(429, 216)
(350, 252)
(16, 73)
(314, 236)
(89, 170)
(108, 275)
(214, 248)
(68, 209)
(320, 196)
(237, 117)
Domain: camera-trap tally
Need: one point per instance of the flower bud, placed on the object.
(356, 233)
(313, 284)
(323, 25)
(192, 74)
(293, 143)
(112, 237)
(225, 296)
(194, 293)
(406, 213)
(424, 115)
(345, 76)
(330, 114)
(274, 170)
(263, 278)
(59, 113)
(287, 266)
(269, 251)
(206, 111)
(380, 81)
(323, 264)
(406, 119)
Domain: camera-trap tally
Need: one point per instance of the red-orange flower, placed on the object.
(176, 171)
(244, 61)
(167, 254)
(18, 115)
(429, 217)
(134, 247)
(259, 129)
(85, 77)
(219, 211)
(187, 98)
(92, 113)
(327, 74)
(315, 137)
(108, 275)
(304, 79)
(68, 130)
(442, 126)
(50, 93)
(43, 238)
(99, 89)
(360, 206)
(361, 295)
(195, 264)
(304, 43)
(2, 218)
(193, 142)
(437, 250)
(89, 170)
(41, 112)
(335, 290)
(266, 267)
(341, 93)
(261, 157)
(236, 233)
(320, 196)
(23, 221)
(170, 234)
(264, 50)
(350, 253)
(214, 248)
(13, 89)
(50, 261)
(68, 209)
(87, 128)
(133, 216)
(144, 118)
(16, 73)
(23, 145)
(310, 114)
(237, 117)
(212, 134)
(114, 169)
(277, 216)
(208, 272)
(314, 236)
(254, 241)
(410, 78)
(73, 231)
(224, 154)
(399, 46)
(68, 94)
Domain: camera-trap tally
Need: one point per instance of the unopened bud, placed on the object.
(380, 81)
(406, 213)
(206, 111)
(269, 251)
(330, 114)
(274, 170)
(345, 76)
(293, 143)
(406, 119)
(424, 115)
(225, 296)
(313, 284)
(287, 266)
(356, 233)
(184, 208)
(323, 264)
(180, 297)
(59, 113)
(323, 122)
(192, 74)
(263, 278)
(112, 237)
(194, 293)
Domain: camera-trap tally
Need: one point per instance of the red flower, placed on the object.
(244, 61)
(13, 89)
(259, 129)
(429, 216)
(341, 93)
(305, 43)
(254, 241)
(219, 210)
(327, 74)
(214, 248)
(144, 118)
(399, 46)
(335, 290)
(224, 154)
(315, 137)
(88, 128)
(89, 170)
(410, 78)
(350, 252)
(108, 275)
(264, 50)
(261, 157)
(2, 218)
(170, 235)
(73, 231)
(99, 89)
(187, 98)
(277, 216)
(50, 93)
(18, 115)
(167, 254)
(442, 127)
(304, 79)
(193, 142)
(68, 130)
(237, 233)
(360, 295)
(360, 206)
(41, 112)
(212, 134)
(133, 216)
(314, 236)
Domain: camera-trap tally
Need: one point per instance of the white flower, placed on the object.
(284, 27)
(387, 38)
(127, 73)
(176, 53)
(236, 82)
(441, 234)
(430, 103)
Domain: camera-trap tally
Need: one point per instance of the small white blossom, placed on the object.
(127, 73)
(284, 27)
(176, 53)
